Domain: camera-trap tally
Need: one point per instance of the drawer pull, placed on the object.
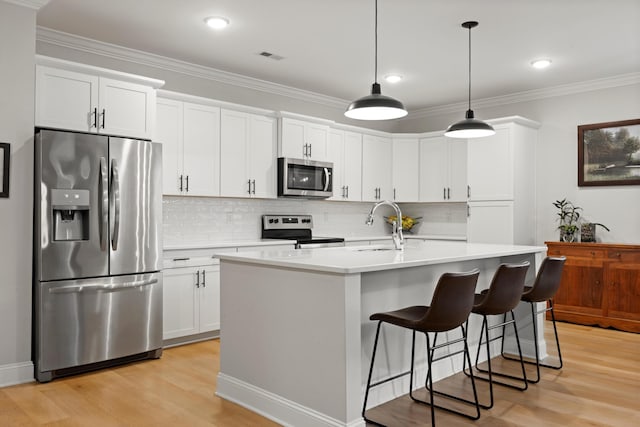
(182, 259)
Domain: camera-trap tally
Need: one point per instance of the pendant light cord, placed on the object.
(469, 67)
(375, 67)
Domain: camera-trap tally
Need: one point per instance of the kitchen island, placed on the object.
(296, 339)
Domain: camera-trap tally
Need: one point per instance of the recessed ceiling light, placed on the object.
(217, 22)
(541, 63)
(393, 78)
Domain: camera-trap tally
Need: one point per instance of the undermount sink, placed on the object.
(370, 248)
(374, 249)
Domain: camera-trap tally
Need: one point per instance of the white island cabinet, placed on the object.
(296, 339)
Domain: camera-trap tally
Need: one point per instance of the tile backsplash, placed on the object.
(201, 219)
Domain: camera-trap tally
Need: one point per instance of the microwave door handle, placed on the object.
(104, 203)
(326, 179)
(115, 198)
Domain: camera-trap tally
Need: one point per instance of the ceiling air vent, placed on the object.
(271, 55)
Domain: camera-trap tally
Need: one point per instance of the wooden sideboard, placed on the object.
(600, 284)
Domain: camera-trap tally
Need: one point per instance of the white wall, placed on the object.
(206, 220)
(17, 47)
(618, 207)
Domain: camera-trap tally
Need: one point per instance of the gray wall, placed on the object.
(17, 47)
(618, 207)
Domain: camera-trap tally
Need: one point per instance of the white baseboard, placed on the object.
(274, 407)
(16, 373)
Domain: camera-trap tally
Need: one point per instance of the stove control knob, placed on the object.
(276, 220)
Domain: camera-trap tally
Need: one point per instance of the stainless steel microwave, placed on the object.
(308, 179)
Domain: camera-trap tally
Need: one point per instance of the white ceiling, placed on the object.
(327, 45)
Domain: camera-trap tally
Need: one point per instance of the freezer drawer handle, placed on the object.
(96, 287)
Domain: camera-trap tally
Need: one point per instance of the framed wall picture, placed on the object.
(609, 153)
(5, 157)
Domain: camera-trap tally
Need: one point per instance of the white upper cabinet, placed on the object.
(300, 139)
(406, 169)
(190, 137)
(169, 133)
(345, 151)
(201, 150)
(502, 166)
(88, 99)
(377, 153)
(248, 155)
(491, 167)
(443, 169)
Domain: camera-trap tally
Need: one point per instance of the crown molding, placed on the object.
(82, 44)
(530, 95)
(31, 4)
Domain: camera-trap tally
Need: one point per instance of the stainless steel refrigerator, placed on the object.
(97, 284)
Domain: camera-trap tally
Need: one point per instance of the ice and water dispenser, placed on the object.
(70, 214)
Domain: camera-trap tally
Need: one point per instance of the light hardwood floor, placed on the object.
(599, 386)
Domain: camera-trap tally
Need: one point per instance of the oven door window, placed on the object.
(303, 177)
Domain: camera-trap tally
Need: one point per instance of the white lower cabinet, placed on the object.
(491, 222)
(191, 291)
(191, 300)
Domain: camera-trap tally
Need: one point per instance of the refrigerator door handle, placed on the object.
(104, 203)
(97, 287)
(115, 200)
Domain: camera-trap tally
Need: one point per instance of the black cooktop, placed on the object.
(293, 227)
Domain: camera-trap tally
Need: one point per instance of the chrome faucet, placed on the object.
(396, 234)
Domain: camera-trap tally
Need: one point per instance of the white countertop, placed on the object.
(407, 236)
(359, 259)
(227, 244)
(277, 242)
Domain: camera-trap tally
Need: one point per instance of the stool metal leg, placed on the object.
(485, 329)
(366, 393)
(429, 380)
(538, 364)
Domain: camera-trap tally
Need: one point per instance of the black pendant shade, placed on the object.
(375, 106)
(470, 127)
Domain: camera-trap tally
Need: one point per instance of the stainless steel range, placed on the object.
(298, 228)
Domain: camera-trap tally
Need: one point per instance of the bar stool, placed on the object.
(543, 290)
(450, 307)
(502, 297)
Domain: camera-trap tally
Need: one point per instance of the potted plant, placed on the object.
(568, 217)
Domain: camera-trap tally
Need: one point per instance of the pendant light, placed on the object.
(469, 127)
(375, 106)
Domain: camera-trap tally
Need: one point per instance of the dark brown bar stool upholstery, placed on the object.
(502, 297)
(543, 290)
(450, 307)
